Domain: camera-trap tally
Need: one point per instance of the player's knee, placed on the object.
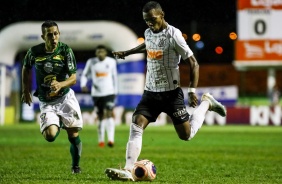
(50, 137)
(51, 133)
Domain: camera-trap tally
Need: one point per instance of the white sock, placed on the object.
(134, 146)
(101, 130)
(110, 128)
(197, 118)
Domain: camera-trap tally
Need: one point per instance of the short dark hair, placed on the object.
(151, 5)
(101, 47)
(47, 24)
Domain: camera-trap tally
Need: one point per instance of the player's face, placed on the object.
(51, 37)
(101, 54)
(154, 19)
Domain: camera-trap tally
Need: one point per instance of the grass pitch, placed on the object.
(217, 154)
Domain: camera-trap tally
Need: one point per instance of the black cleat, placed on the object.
(110, 144)
(75, 170)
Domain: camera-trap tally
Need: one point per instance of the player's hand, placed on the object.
(26, 97)
(55, 86)
(84, 89)
(192, 100)
(119, 54)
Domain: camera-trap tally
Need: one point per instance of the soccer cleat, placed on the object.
(101, 144)
(119, 174)
(214, 104)
(75, 170)
(110, 144)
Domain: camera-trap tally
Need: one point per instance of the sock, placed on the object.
(197, 118)
(75, 150)
(134, 146)
(101, 130)
(110, 127)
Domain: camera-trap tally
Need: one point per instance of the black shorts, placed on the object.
(104, 102)
(169, 102)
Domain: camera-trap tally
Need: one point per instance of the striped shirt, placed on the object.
(164, 50)
(103, 75)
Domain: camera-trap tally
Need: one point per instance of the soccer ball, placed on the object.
(144, 170)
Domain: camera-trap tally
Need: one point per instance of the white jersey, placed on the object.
(164, 50)
(103, 74)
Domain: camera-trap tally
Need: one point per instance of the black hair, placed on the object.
(152, 5)
(101, 47)
(47, 24)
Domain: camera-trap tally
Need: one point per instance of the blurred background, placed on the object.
(236, 42)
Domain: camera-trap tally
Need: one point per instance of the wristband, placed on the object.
(191, 90)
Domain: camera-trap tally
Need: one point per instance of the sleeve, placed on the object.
(29, 59)
(115, 79)
(181, 46)
(71, 61)
(85, 73)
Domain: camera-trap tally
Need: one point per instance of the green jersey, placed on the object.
(57, 65)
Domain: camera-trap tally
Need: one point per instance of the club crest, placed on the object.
(48, 67)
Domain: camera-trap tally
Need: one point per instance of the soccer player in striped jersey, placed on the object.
(55, 69)
(164, 45)
(103, 72)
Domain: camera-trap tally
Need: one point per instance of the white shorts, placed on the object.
(65, 110)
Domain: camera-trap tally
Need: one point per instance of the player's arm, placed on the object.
(26, 71)
(187, 55)
(84, 78)
(194, 78)
(57, 86)
(115, 80)
(26, 96)
(122, 54)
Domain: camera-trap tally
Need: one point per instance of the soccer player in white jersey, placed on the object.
(164, 45)
(103, 72)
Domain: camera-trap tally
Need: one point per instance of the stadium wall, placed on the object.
(252, 82)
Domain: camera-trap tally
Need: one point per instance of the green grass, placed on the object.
(218, 154)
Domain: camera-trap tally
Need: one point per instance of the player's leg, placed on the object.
(49, 122)
(145, 112)
(75, 148)
(51, 133)
(133, 149)
(109, 116)
(98, 101)
(71, 117)
(188, 129)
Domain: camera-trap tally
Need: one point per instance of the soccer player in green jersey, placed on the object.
(55, 68)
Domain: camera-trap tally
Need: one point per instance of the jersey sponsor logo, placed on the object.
(154, 54)
(38, 59)
(48, 79)
(59, 57)
(48, 67)
(70, 61)
(161, 83)
(101, 74)
(180, 113)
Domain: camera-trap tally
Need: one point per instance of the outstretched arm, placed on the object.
(122, 54)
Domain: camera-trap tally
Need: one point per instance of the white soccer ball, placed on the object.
(144, 170)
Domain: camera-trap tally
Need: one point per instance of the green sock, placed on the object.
(75, 150)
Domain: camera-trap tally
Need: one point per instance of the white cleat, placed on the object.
(119, 174)
(214, 104)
